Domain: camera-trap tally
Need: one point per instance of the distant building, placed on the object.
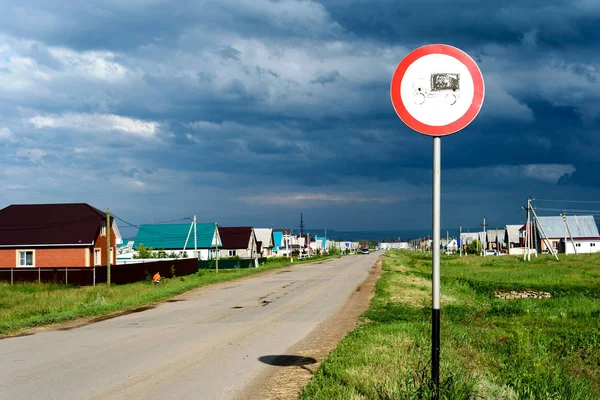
(55, 235)
(583, 231)
(179, 239)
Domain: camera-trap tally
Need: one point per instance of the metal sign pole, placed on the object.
(426, 93)
(435, 314)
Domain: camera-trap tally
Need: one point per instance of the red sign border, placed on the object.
(453, 127)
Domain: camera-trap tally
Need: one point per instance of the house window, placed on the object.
(232, 253)
(103, 229)
(577, 244)
(26, 258)
(592, 244)
(97, 256)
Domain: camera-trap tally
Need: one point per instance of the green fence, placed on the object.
(229, 264)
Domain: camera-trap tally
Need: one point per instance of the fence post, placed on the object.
(66, 276)
(94, 277)
(39, 275)
(11, 276)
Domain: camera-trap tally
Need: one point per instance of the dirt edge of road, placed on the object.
(301, 361)
(84, 321)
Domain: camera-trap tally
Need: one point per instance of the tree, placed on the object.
(143, 252)
(474, 247)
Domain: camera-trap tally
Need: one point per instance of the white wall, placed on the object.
(127, 258)
(585, 246)
(519, 251)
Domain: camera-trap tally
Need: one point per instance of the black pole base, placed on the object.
(435, 353)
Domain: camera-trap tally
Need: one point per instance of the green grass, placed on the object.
(491, 348)
(24, 306)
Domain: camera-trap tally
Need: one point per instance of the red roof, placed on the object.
(49, 224)
(235, 237)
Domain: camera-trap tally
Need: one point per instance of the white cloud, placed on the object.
(302, 198)
(33, 155)
(98, 65)
(547, 172)
(502, 174)
(7, 136)
(98, 122)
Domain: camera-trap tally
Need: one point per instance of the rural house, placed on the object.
(583, 233)
(264, 237)
(55, 235)
(238, 242)
(180, 239)
(511, 236)
(495, 239)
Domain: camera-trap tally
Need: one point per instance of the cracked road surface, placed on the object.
(205, 344)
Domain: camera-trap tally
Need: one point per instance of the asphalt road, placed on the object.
(206, 346)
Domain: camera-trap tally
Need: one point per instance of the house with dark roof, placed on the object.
(183, 239)
(238, 241)
(55, 235)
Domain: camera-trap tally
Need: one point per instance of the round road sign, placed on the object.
(437, 90)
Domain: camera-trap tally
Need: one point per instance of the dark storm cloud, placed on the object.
(291, 96)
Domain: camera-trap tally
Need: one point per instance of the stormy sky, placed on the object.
(250, 112)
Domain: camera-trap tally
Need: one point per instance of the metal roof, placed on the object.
(76, 224)
(512, 231)
(236, 237)
(264, 235)
(580, 226)
(495, 235)
(278, 239)
(173, 236)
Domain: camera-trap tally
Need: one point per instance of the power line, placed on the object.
(570, 201)
(567, 210)
(159, 234)
(173, 220)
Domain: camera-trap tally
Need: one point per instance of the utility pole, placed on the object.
(460, 244)
(108, 246)
(484, 248)
(570, 235)
(537, 221)
(217, 248)
(287, 242)
(252, 246)
(301, 225)
(526, 250)
(195, 239)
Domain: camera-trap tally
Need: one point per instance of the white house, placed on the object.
(452, 245)
(265, 237)
(581, 231)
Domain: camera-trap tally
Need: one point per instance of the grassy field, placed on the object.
(24, 306)
(491, 348)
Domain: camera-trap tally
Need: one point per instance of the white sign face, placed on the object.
(437, 89)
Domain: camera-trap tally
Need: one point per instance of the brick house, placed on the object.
(55, 235)
(238, 241)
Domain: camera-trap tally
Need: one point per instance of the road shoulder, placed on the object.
(301, 361)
